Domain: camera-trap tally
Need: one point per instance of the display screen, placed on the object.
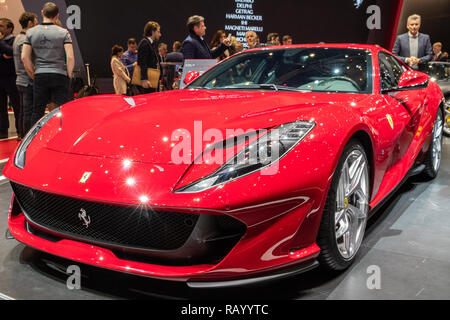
(103, 23)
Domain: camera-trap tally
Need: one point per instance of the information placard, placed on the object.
(200, 65)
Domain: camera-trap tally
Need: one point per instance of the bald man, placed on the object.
(252, 39)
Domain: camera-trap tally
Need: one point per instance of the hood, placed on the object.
(143, 128)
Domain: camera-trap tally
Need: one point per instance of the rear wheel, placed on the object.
(433, 157)
(345, 214)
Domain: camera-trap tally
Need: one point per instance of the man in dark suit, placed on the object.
(438, 54)
(195, 46)
(175, 55)
(148, 56)
(413, 48)
(162, 50)
(8, 86)
(169, 70)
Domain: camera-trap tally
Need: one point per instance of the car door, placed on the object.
(410, 100)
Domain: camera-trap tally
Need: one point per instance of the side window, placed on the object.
(397, 68)
(387, 76)
(390, 70)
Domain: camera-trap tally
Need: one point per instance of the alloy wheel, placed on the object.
(437, 142)
(352, 204)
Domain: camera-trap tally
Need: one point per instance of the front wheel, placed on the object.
(345, 214)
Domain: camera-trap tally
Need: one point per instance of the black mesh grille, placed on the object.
(134, 227)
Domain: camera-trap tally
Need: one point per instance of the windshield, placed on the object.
(294, 69)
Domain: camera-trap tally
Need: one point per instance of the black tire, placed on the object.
(430, 171)
(330, 258)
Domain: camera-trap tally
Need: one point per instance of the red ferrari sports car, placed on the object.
(267, 165)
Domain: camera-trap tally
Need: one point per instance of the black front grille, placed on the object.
(123, 226)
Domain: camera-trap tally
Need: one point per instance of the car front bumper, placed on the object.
(236, 269)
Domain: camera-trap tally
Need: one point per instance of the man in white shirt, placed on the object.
(148, 56)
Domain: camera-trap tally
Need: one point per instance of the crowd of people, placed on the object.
(149, 54)
(37, 65)
(35, 68)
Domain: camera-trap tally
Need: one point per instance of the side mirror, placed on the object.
(411, 79)
(191, 76)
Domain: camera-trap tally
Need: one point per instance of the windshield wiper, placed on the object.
(265, 86)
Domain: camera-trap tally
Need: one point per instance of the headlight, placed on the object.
(256, 156)
(19, 159)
